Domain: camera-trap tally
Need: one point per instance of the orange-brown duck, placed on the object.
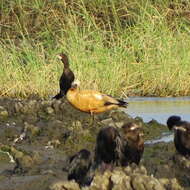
(181, 134)
(92, 101)
(66, 78)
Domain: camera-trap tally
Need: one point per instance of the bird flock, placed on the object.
(114, 147)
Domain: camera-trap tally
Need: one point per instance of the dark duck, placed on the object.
(133, 143)
(107, 150)
(66, 78)
(92, 101)
(78, 167)
(181, 134)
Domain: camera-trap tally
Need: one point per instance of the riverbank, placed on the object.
(53, 130)
(123, 48)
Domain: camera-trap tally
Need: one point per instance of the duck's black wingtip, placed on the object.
(123, 103)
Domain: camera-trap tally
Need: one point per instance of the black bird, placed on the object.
(181, 134)
(107, 150)
(66, 78)
(79, 165)
(133, 143)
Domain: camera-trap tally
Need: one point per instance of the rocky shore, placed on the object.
(37, 136)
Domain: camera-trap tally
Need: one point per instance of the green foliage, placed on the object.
(118, 47)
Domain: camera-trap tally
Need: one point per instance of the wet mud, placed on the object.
(37, 136)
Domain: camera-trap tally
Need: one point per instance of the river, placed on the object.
(159, 108)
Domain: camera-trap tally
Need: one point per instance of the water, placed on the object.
(166, 137)
(159, 108)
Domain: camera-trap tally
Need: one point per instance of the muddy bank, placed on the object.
(39, 135)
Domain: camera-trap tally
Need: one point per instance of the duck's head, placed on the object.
(75, 84)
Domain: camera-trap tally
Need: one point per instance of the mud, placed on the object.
(39, 135)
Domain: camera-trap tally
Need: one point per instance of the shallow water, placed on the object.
(159, 108)
(166, 138)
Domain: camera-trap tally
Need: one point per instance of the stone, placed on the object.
(65, 185)
(101, 181)
(49, 110)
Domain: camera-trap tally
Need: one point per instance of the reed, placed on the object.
(122, 48)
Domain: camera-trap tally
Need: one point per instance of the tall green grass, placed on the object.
(123, 48)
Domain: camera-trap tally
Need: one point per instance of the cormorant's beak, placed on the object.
(180, 128)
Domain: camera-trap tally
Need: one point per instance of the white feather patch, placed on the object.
(98, 96)
(180, 128)
(134, 127)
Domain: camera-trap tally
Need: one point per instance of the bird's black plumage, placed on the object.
(119, 148)
(181, 134)
(66, 78)
(107, 149)
(79, 165)
(133, 144)
(172, 121)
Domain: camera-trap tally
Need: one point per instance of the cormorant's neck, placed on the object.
(65, 63)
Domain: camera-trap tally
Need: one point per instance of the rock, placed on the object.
(120, 181)
(125, 184)
(153, 183)
(153, 122)
(56, 130)
(138, 182)
(182, 161)
(119, 116)
(139, 119)
(49, 110)
(117, 176)
(174, 185)
(56, 105)
(32, 130)
(128, 170)
(18, 106)
(170, 184)
(108, 122)
(119, 124)
(64, 185)
(45, 103)
(9, 134)
(24, 161)
(101, 181)
(144, 182)
(165, 182)
(3, 113)
(53, 143)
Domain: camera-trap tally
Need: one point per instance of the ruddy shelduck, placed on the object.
(92, 101)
